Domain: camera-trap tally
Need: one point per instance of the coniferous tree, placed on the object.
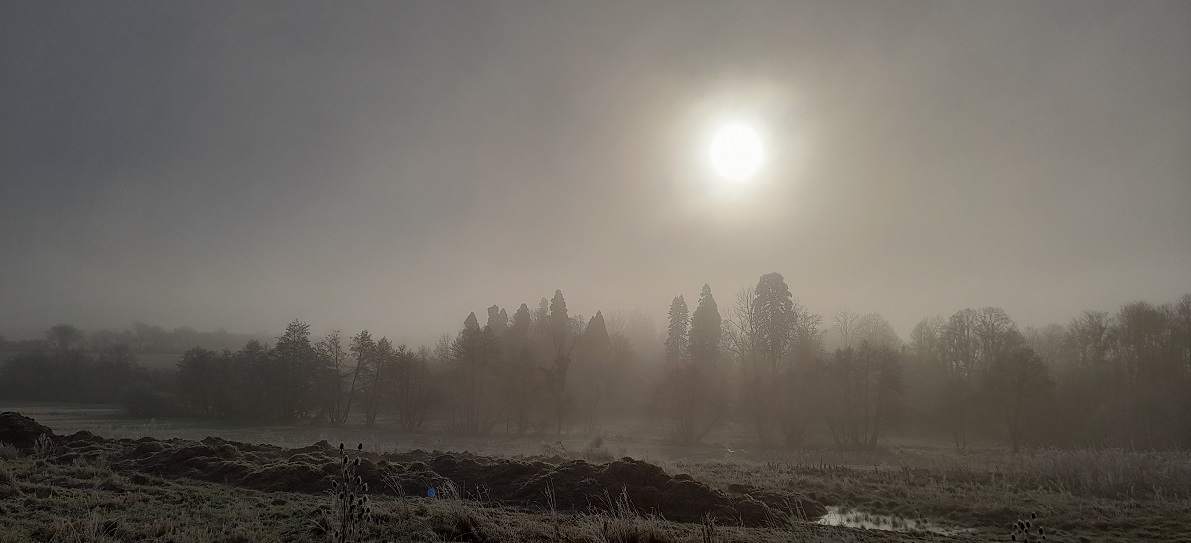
(593, 374)
(678, 331)
(541, 314)
(774, 307)
(523, 387)
(498, 320)
(692, 392)
(474, 351)
(706, 331)
(562, 338)
(773, 322)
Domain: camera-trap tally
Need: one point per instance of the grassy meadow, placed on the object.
(909, 491)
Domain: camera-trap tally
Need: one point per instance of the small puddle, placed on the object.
(851, 518)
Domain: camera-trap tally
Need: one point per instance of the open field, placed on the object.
(151, 489)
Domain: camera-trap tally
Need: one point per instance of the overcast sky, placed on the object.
(395, 166)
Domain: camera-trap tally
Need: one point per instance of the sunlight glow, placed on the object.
(736, 152)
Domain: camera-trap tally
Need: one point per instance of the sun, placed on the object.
(736, 152)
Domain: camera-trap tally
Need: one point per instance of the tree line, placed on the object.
(792, 376)
(139, 338)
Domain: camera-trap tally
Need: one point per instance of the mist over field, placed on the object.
(610, 271)
(397, 166)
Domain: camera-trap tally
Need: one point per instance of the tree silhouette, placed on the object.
(297, 372)
(692, 392)
(773, 328)
(363, 347)
(1018, 383)
(474, 350)
(592, 369)
(523, 387)
(336, 379)
(64, 337)
(706, 331)
(562, 338)
(678, 331)
(958, 394)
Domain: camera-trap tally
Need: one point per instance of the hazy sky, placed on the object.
(396, 165)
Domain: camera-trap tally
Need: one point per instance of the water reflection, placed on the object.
(851, 518)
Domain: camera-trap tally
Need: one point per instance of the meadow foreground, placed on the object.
(85, 487)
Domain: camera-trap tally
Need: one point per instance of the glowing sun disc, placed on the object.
(736, 152)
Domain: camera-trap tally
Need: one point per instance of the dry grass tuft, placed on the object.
(8, 452)
(93, 528)
(43, 447)
(623, 524)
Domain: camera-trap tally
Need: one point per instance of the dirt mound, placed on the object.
(794, 506)
(580, 485)
(21, 431)
(576, 485)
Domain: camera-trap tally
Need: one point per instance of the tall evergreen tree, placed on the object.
(706, 331)
(775, 390)
(498, 320)
(562, 341)
(593, 374)
(474, 350)
(522, 388)
(678, 331)
(691, 392)
(542, 313)
(774, 307)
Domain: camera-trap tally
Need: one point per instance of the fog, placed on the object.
(395, 166)
(610, 270)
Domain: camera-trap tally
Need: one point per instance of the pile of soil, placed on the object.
(21, 431)
(577, 485)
